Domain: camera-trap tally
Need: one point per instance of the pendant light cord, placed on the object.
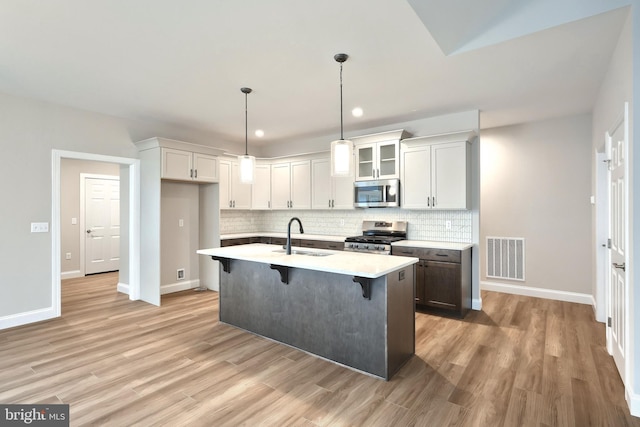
(341, 124)
(246, 127)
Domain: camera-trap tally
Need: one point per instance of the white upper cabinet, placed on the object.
(329, 192)
(261, 190)
(184, 165)
(184, 161)
(378, 155)
(435, 172)
(291, 185)
(233, 193)
(205, 167)
(377, 161)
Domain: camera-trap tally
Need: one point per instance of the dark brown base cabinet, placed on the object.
(443, 279)
(305, 243)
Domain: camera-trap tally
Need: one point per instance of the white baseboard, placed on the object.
(633, 400)
(537, 292)
(476, 304)
(70, 274)
(182, 285)
(20, 319)
(123, 287)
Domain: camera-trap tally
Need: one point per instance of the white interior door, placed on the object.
(618, 292)
(102, 225)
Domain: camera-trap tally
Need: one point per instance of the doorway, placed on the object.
(129, 276)
(617, 145)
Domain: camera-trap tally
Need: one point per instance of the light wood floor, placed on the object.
(521, 361)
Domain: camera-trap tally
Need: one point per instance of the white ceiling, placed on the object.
(183, 63)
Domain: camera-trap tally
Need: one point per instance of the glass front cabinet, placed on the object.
(378, 156)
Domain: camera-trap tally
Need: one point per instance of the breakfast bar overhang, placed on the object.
(351, 308)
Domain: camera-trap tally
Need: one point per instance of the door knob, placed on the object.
(88, 231)
(620, 266)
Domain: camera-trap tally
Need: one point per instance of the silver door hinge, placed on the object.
(608, 162)
(608, 243)
(609, 321)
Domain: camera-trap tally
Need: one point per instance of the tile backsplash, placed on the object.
(423, 225)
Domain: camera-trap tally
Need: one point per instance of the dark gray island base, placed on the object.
(325, 313)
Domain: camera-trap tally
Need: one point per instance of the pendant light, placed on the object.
(247, 162)
(342, 149)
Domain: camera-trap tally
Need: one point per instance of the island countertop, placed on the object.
(341, 262)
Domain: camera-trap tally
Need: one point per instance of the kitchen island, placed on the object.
(354, 309)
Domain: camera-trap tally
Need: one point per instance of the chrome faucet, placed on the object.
(288, 246)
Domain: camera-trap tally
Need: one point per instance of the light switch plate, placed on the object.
(39, 227)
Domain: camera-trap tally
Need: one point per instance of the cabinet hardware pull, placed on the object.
(195, 173)
(229, 203)
(190, 173)
(329, 202)
(620, 266)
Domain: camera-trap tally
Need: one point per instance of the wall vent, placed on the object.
(505, 258)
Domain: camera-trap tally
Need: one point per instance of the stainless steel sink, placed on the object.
(299, 252)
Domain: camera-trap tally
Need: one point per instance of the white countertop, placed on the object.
(340, 262)
(433, 245)
(284, 235)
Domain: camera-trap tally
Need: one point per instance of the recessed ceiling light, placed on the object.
(259, 133)
(357, 112)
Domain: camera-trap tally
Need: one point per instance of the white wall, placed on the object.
(448, 123)
(535, 183)
(179, 201)
(29, 130)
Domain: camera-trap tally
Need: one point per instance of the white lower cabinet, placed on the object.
(329, 192)
(291, 185)
(233, 193)
(434, 175)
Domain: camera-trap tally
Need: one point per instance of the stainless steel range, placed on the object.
(377, 237)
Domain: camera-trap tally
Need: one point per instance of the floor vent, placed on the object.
(505, 258)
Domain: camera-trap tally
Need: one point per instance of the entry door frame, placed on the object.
(83, 212)
(622, 121)
(133, 166)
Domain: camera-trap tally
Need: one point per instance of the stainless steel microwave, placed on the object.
(380, 193)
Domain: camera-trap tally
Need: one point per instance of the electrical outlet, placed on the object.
(447, 225)
(67, 255)
(181, 222)
(342, 222)
(180, 274)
